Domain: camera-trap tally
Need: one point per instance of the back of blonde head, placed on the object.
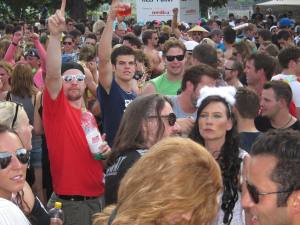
(8, 112)
(175, 176)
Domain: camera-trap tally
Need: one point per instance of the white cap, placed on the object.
(190, 45)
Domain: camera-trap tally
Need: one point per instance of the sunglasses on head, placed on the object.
(254, 193)
(67, 43)
(70, 77)
(22, 155)
(171, 58)
(171, 118)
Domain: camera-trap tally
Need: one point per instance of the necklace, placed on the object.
(290, 119)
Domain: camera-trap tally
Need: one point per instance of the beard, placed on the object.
(74, 97)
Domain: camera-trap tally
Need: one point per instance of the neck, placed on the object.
(234, 82)
(282, 119)
(125, 85)
(150, 47)
(214, 146)
(6, 195)
(288, 71)
(185, 103)
(257, 88)
(245, 125)
(174, 77)
(77, 104)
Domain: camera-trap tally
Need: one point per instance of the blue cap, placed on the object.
(285, 22)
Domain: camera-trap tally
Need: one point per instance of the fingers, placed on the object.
(63, 7)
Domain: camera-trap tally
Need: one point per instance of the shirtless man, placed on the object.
(150, 40)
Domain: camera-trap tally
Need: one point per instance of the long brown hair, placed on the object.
(22, 81)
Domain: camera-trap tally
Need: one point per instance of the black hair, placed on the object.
(284, 145)
(122, 50)
(71, 65)
(228, 159)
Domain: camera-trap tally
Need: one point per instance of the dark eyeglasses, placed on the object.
(171, 58)
(70, 77)
(22, 155)
(254, 194)
(171, 118)
(67, 43)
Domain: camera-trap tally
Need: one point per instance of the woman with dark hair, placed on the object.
(146, 120)
(216, 129)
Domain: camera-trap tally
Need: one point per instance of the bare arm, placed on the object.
(149, 89)
(37, 122)
(105, 50)
(56, 24)
(175, 29)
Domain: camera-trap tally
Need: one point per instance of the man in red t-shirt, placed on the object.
(77, 177)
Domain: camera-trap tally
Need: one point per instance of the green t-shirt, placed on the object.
(165, 86)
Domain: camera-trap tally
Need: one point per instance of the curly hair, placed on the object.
(177, 175)
(228, 159)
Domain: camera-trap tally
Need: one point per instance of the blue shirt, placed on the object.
(113, 105)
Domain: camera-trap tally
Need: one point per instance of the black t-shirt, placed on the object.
(263, 124)
(116, 172)
(247, 139)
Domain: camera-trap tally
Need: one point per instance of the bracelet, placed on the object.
(13, 43)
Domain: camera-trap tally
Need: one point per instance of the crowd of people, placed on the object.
(199, 122)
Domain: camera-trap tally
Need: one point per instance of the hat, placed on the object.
(216, 32)
(272, 27)
(190, 45)
(197, 28)
(285, 22)
(32, 52)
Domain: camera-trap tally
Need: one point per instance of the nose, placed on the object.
(246, 199)
(15, 163)
(176, 128)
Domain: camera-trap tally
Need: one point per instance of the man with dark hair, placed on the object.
(116, 71)
(246, 109)
(169, 82)
(132, 41)
(275, 101)
(90, 39)
(184, 104)
(229, 39)
(259, 69)
(233, 71)
(289, 59)
(150, 41)
(204, 53)
(271, 185)
(285, 39)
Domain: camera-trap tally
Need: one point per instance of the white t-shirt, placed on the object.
(11, 214)
(294, 84)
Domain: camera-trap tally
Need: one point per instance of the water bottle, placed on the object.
(56, 214)
(92, 134)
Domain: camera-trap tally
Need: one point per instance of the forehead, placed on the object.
(205, 79)
(72, 71)
(260, 169)
(9, 142)
(250, 63)
(228, 62)
(68, 39)
(175, 51)
(125, 58)
(268, 93)
(215, 107)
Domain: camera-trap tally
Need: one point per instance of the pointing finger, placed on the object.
(62, 8)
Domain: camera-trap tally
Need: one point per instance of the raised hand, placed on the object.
(56, 22)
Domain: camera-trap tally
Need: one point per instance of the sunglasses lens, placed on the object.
(5, 159)
(253, 193)
(23, 155)
(180, 57)
(80, 77)
(172, 119)
(170, 58)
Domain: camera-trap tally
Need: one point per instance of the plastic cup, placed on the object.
(126, 9)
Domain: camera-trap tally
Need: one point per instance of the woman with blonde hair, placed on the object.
(24, 92)
(5, 74)
(176, 182)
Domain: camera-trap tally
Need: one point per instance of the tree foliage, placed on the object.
(205, 4)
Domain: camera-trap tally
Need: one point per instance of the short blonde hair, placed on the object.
(176, 175)
(10, 111)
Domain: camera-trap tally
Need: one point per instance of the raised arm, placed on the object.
(56, 25)
(10, 53)
(40, 48)
(174, 23)
(105, 49)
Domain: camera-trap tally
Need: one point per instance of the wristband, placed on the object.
(13, 43)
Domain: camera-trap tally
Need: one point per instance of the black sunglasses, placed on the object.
(22, 155)
(171, 58)
(171, 118)
(67, 43)
(254, 193)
